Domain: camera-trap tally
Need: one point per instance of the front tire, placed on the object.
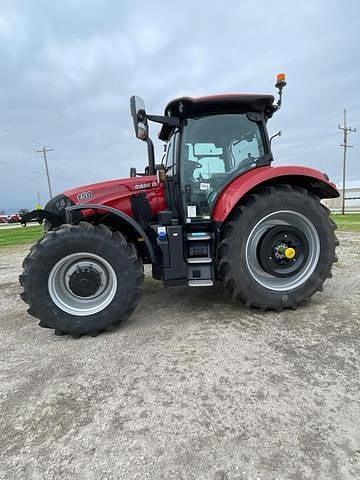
(82, 279)
(278, 248)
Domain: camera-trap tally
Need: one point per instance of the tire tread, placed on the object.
(57, 236)
(224, 267)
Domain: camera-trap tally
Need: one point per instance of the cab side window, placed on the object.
(244, 149)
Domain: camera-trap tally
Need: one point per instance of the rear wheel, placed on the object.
(82, 279)
(278, 248)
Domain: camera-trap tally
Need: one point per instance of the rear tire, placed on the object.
(82, 279)
(278, 248)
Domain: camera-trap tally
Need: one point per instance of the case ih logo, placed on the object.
(84, 196)
(140, 186)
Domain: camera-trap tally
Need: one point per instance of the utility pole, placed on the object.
(44, 150)
(345, 145)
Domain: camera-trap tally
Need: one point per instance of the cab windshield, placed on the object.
(215, 149)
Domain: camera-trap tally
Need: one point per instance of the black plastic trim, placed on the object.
(141, 209)
(40, 215)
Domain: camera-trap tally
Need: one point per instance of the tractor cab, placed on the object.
(212, 148)
(209, 142)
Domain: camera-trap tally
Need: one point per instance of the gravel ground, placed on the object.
(193, 387)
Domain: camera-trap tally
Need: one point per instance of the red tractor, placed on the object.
(215, 209)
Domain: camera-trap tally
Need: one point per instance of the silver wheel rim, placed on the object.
(283, 218)
(61, 293)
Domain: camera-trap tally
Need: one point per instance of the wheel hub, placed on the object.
(290, 253)
(282, 250)
(85, 282)
(82, 284)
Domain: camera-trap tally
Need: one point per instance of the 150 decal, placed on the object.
(83, 196)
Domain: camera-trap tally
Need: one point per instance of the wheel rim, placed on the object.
(82, 284)
(282, 250)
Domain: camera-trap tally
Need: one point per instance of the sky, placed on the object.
(69, 68)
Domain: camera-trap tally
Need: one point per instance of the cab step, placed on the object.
(198, 236)
(200, 283)
(199, 260)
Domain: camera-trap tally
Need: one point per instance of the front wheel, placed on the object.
(278, 248)
(82, 279)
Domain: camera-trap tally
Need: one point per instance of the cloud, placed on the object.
(69, 68)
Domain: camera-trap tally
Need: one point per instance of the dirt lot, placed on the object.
(193, 387)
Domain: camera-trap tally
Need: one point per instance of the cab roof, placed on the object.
(243, 102)
(226, 103)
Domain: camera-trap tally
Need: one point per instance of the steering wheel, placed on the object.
(245, 164)
(193, 164)
(190, 167)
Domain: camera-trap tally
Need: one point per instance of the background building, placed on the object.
(352, 199)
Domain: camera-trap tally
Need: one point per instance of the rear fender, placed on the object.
(308, 178)
(133, 224)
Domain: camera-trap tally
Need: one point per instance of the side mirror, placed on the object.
(137, 109)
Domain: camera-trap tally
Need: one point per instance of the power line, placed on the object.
(347, 130)
(44, 150)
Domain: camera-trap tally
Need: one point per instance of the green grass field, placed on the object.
(349, 222)
(28, 235)
(19, 235)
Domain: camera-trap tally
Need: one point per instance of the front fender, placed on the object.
(126, 218)
(308, 178)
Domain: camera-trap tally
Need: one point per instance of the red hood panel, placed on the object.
(98, 192)
(117, 193)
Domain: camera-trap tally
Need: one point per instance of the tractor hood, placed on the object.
(119, 194)
(107, 192)
(132, 196)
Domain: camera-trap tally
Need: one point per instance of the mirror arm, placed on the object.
(171, 121)
(151, 156)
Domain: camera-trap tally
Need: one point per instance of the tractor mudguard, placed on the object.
(126, 218)
(41, 215)
(308, 178)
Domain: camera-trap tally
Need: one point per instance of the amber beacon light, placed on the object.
(280, 80)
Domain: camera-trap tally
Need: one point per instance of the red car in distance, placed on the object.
(14, 218)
